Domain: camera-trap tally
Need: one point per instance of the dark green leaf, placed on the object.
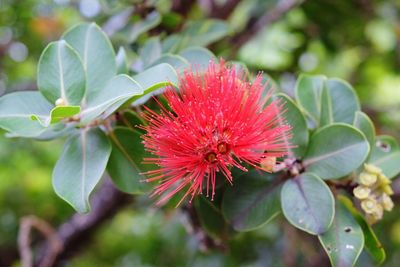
(344, 240)
(125, 164)
(296, 120)
(252, 201)
(61, 74)
(335, 151)
(80, 167)
(308, 203)
(210, 217)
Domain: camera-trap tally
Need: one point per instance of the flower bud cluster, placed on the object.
(373, 192)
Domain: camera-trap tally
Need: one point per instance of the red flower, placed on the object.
(217, 121)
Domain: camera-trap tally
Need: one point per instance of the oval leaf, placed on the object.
(198, 57)
(252, 201)
(385, 154)
(296, 120)
(365, 125)
(16, 110)
(210, 217)
(97, 55)
(125, 161)
(118, 90)
(335, 151)
(308, 204)
(80, 167)
(180, 64)
(57, 114)
(61, 74)
(121, 61)
(344, 241)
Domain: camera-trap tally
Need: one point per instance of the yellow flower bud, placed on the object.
(387, 189)
(361, 192)
(378, 212)
(369, 205)
(383, 180)
(367, 179)
(387, 202)
(372, 169)
(60, 102)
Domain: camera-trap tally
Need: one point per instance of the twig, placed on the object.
(24, 241)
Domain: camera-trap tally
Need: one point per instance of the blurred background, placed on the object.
(355, 40)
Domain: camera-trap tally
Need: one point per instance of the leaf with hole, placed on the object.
(252, 201)
(80, 167)
(385, 154)
(344, 241)
(335, 151)
(61, 74)
(308, 203)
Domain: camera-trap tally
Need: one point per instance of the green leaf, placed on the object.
(80, 167)
(125, 161)
(57, 114)
(150, 52)
(210, 217)
(252, 201)
(157, 77)
(61, 74)
(385, 154)
(366, 126)
(144, 25)
(296, 120)
(372, 244)
(203, 33)
(97, 54)
(180, 64)
(121, 61)
(308, 203)
(308, 93)
(326, 100)
(118, 90)
(198, 57)
(16, 110)
(335, 151)
(344, 241)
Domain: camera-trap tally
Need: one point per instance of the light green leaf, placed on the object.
(344, 241)
(144, 25)
(180, 64)
(150, 52)
(252, 201)
(57, 114)
(61, 74)
(80, 167)
(118, 90)
(335, 151)
(308, 203)
(326, 100)
(372, 244)
(296, 120)
(121, 61)
(154, 78)
(198, 57)
(365, 125)
(385, 154)
(97, 54)
(125, 164)
(16, 110)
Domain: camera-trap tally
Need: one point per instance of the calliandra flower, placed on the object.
(217, 120)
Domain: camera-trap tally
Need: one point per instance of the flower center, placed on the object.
(211, 157)
(222, 148)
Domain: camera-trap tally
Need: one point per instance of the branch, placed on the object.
(77, 232)
(256, 24)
